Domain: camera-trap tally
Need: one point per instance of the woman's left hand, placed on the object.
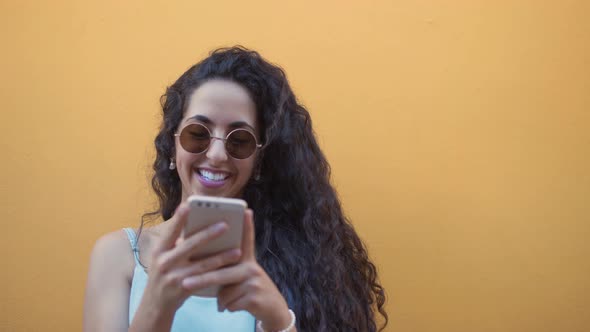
(246, 286)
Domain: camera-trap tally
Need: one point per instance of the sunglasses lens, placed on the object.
(240, 144)
(195, 138)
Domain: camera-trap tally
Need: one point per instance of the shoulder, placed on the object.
(106, 303)
(112, 252)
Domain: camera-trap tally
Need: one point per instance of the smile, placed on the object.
(212, 176)
(212, 179)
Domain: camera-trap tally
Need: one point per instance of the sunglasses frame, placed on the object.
(224, 140)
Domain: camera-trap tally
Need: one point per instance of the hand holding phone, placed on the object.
(205, 211)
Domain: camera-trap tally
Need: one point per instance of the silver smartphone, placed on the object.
(205, 211)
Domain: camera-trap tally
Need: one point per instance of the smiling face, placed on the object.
(222, 106)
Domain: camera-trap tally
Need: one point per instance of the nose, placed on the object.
(216, 151)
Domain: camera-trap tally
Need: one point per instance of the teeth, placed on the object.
(212, 176)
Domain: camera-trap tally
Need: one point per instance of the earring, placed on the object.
(172, 164)
(257, 174)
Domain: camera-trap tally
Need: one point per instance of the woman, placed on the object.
(301, 265)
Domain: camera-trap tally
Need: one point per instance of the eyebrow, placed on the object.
(206, 120)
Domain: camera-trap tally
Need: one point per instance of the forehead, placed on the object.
(223, 102)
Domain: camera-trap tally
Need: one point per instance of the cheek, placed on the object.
(246, 168)
(184, 160)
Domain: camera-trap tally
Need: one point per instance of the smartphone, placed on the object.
(205, 211)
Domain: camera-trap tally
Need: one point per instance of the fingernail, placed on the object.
(220, 308)
(189, 282)
(178, 241)
(218, 226)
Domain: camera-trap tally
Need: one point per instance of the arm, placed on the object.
(106, 306)
(106, 303)
(109, 281)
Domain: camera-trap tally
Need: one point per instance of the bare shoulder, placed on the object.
(112, 252)
(106, 303)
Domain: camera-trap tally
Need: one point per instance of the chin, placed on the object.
(218, 192)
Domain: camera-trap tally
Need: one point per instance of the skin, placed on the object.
(221, 103)
(173, 276)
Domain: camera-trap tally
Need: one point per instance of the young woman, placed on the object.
(232, 127)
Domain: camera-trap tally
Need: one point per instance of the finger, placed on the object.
(224, 276)
(229, 294)
(248, 241)
(211, 263)
(173, 232)
(179, 240)
(239, 303)
(195, 242)
(190, 246)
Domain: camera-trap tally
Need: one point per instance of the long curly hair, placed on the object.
(303, 240)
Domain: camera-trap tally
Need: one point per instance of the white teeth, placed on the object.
(212, 176)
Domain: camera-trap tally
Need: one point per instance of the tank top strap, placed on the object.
(134, 247)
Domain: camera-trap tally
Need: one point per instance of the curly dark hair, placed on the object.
(303, 240)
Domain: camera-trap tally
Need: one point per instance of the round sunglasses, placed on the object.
(239, 143)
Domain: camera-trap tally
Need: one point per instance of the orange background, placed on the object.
(458, 132)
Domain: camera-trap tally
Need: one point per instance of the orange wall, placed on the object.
(458, 131)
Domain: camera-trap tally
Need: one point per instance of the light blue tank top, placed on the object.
(196, 313)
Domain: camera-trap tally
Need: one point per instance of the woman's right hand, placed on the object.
(171, 263)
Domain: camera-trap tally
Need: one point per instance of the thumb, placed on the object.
(173, 232)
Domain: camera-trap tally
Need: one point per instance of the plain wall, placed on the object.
(458, 132)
